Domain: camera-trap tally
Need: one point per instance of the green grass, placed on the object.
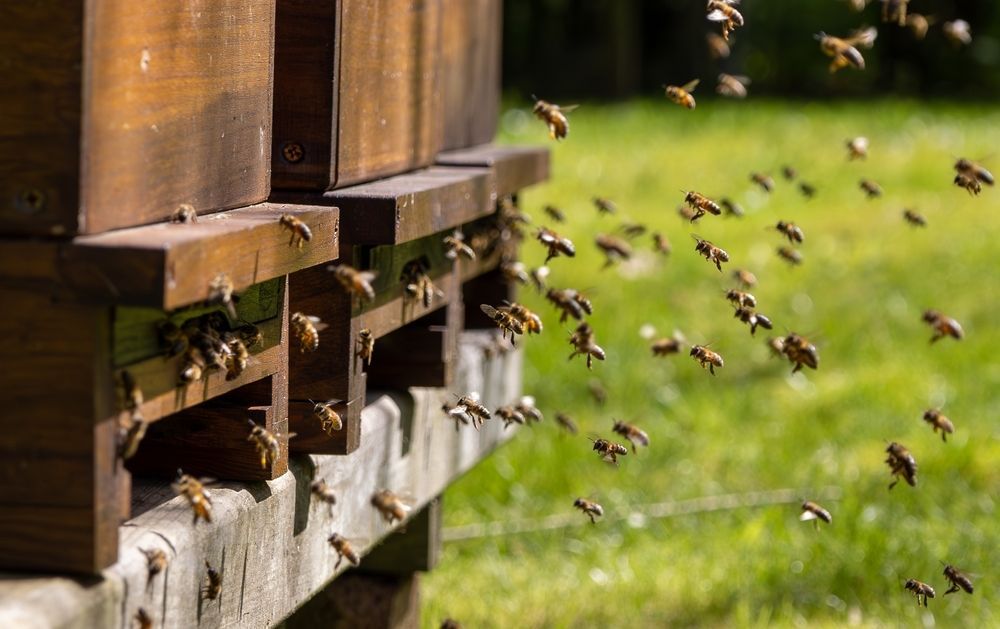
(859, 295)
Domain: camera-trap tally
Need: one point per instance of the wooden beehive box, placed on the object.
(114, 113)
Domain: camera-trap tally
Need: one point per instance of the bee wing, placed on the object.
(717, 16)
(690, 85)
(567, 108)
(527, 400)
(805, 516)
(739, 78)
(647, 331)
(367, 276)
(488, 309)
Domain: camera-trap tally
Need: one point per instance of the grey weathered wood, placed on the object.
(269, 538)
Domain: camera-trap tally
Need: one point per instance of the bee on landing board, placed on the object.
(842, 51)
(682, 95)
(724, 12)
(390, 506)
(343, 549)
(301, 233)
(213, 583)
(508, 323)
(306, 329)
(193, 489)
(555, 244)
(958, 580)
(943, 326)
(711, 252)
(915, 219)
(939, 422)
(631, 432)
(589, 508)
(356, 283)
(554, 117)
(791, 231)
(707, 358)
(366, 345)
(700, 204)
(901, 464)
(323, 492)
(814, 512)
(184, 214)
(609, 450)
(732, 86)
(921, 590)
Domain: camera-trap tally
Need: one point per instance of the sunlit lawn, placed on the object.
(859, 296)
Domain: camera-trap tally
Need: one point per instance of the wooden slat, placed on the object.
(514, 167)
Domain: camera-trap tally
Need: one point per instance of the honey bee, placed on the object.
(842, 51)
(814, 512)
(723, 11)
(711, 252)
(632, 433)
(470, 404)
(143, 619)
(791, 231)
(682, 95)
(156, 562)
(858, 5)
(609, 450)
(193, 367)
(566, 300)
(668, 345)
(732, 86)
(754, 319)
(901, 464)
(554, 116)
(390, 506)
(301, 233)
(329, 419)
(741, 299)
(597, 391)
(239, 357)
(700, 204)
(913, 218)
(591, 509)
(418, 285)
(918, 25)
(213, 582)
(921, 590)
(777, 346)
(323, 492)
(661, 245)
(173, 341)
(530, 321)
(356, 283)
(584, 344)
(539, 278)
(857, 148)
(871, 189)
(566, 423)
(344, 550)
(193, 489)
(971, 184)
(863, 37)
(614, 249)
(555, 213)
(526, 406)
(789, 255)
(745, 278)
(633, 230)
(556, 244)
(957, 32)
(707, 358)
(454, 246)
(508, 323)
(939, 422)
(250, 335)
(185, 213)
(807, 189)
(764, 181)
(943, 326)
(220, 292)
(366, 345)
(306, 329)
(800, 351)
(510, 415)
(514, 272)
(459, 414)
(718, 48)
(605, 206)
(130, 436)
(266, 443)
(685, 212)
(957, 579)
(972, 170)
(732, 208)
(789, 173)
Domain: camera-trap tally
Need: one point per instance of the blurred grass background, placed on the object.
(859, 296)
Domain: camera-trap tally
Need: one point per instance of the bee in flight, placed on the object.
(193, 489)
(814, 512)
(220, 292)
(609, 450)
(921, 590)
(711, 252)
(894, 11)
(957, 579)
(589, 508)
(301, 233)
(555, 213)
(682, 95)
(915, 219)
(741, 299)
(745, 278)
(634, 434)
(939, 422)
(791, 231)
(918, 25)
(789, 255)
(605, 206)
(718, 48)
(583, 343)
(510, 415)
(356, 283)
(306, 329)
(614, 249)
(971, 174)
(508, 323)
(723, 11)
(570, 301)
(764, 181)
(732, 86)
(902, 465)
(753, 319)
(390, 506)
(554, 116)
(556, 244)
(957, 32)
(857, 148)
(799, 351)
(266, 443)
(661, 245)
(700, 204)
(471, 406)
(323, 492)
(526, 406)
(943, 326)
(566, 423)
(454, 246)
(842, 51)
(732, 208)
(707, 358)
(329, 419)
(871, 189)
(343, 549)
(807, 189)
(668, 345)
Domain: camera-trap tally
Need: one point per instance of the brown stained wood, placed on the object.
(417, 549)
(362, 600)
(169, 266)
(470, 57)
(487, 288)
(514, 167)
(120, 111)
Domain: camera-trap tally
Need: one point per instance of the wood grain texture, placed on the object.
(514, 167)
(269, 538)
(373, 601)
(471, 36)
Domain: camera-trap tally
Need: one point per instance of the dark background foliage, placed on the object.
(579, 49)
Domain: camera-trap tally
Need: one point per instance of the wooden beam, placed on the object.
(514, 167)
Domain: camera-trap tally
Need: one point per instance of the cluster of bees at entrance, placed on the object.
(845, 52)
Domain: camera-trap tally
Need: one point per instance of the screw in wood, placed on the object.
(293, 152)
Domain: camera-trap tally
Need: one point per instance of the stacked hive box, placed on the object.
(114, 115)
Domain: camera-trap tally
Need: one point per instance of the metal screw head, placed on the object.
(30, 200)
(293, 152)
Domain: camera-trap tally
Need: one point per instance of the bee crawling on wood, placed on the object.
(507, 322)
(366, 345)
(814, 512)
(723, 11)
(589, 508)
(632, 433)
(554, 116)
(343, 549)
(156, 562)
(193, 489)
(510, 415)
(142, 619)
(323, 492)
(390, 506)
(902, 464)
(791, 231)
(711, 252)
(765, 181)
(921, 590)
(301, 233)
(356, 283)
(732, 86)
(454, 246)
(266, 443)
(220, 292)
(583, 343)
(915, 219)
(213, 583)
(193, 367)
(173, 341)
(707, 358)
(609, 450)
(556, 244)
(185, 213)
(306, 329)
(238, 358)
(753, 319)
(130, 435)
(943, 326)
(800, 352)
(681, 95)
(957, 579)
(700, 204)
(329, 419)
(939, 422)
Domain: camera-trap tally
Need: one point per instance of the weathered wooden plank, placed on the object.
(116, 112)
(514, 167)
(269, 539)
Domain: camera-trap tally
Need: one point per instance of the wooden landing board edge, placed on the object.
(514, 167)
(274, 533)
